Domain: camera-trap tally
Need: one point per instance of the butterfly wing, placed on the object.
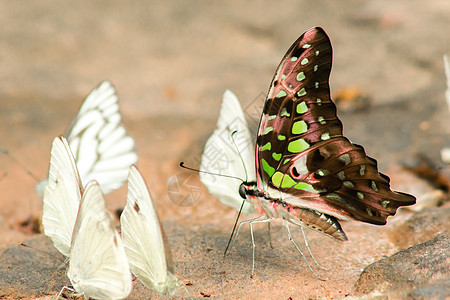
(220, 155)
(102, 148)
(98, 266)
(447, 74)
(100, 144)
(147, 252)
(62, 196)
(302, 155)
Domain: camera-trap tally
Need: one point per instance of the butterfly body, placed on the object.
(301, 216)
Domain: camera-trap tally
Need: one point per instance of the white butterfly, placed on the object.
(144, 240)
(101, 146)
(221, 157)
(98, 266)
(62, 196)
(77, 222)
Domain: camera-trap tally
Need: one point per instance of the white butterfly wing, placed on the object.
(62, 196)
(102, 148)
(220, 155)
(447, 74)
(98, 266)
(100, 144)
(144, 240)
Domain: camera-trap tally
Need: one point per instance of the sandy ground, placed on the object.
(171, 63)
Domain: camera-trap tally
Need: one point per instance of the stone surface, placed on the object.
(419, 272)
(422, 227)
(28, 272)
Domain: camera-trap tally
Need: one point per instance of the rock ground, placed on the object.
(171, 63)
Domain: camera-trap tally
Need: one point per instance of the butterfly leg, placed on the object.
(187, 292)
(65, 288)
(298, 249)
(309, 250)
(242, 223)
(262, 219)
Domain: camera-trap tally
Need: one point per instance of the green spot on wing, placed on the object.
(374, 186)
(304, 186)
(306, 46)
(300, 76)
(267, 168)
(362, 170)
(276, 156)
(298, 146)
(294, 58)
(284, 113)
(345, 158)
(301, 93)
(348, 184)
(299, 127)
(267, 146)
(271, 117)
(287, 182)
(281, 137)
(302, 108)
(281, 94)
(286, 161)
(325, 136)
(276, 179)
(268, 129)
(304, 61)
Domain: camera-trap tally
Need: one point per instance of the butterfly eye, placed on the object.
(243, 191)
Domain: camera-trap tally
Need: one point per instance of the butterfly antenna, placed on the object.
(210, 173)
(234, 229)
(239, 153)
(6, 152)
(43, 252)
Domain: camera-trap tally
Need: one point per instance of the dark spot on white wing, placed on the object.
(115, 241)
(136, 207)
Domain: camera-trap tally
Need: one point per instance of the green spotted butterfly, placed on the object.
(307, 172)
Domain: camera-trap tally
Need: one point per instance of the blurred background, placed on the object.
(171, 62)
